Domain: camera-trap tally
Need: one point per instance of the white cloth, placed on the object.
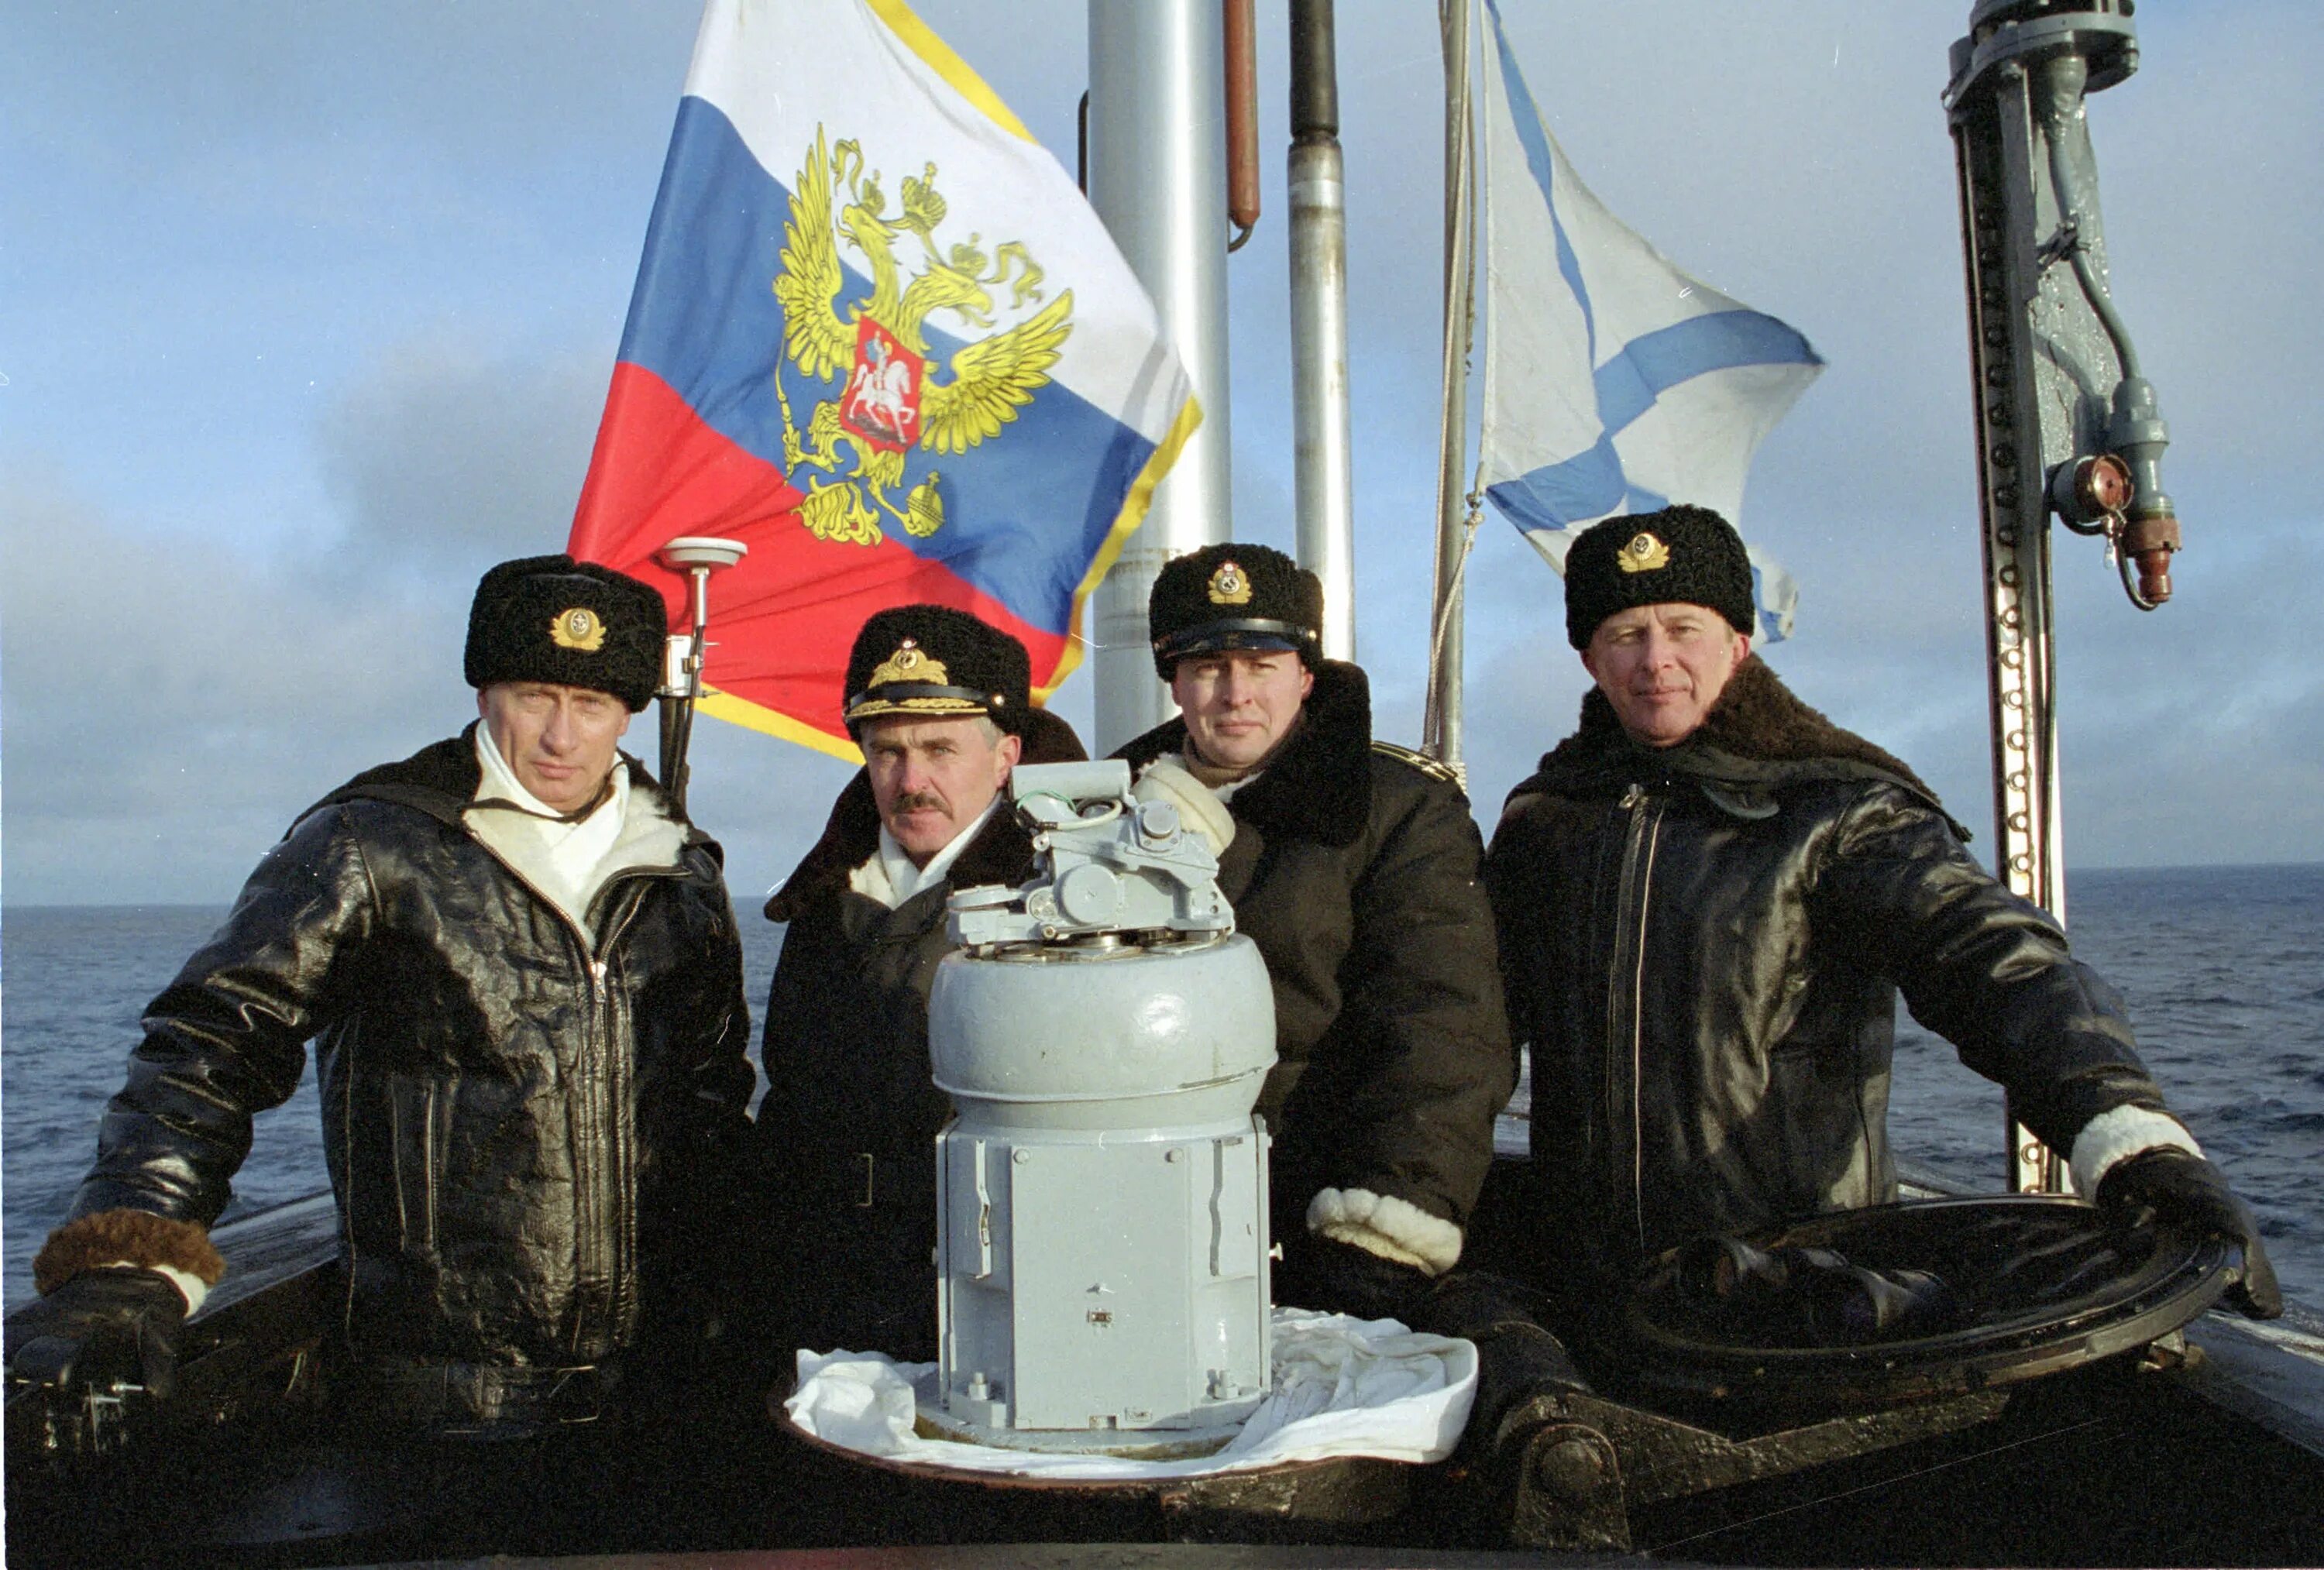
(570, 862)
(890, 876)
(1341, 1387)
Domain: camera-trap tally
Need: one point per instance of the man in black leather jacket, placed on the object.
(1352, 864)
(1710, 896)
(523, 978)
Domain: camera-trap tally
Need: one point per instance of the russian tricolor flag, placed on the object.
(879, 337)
(1615, 380)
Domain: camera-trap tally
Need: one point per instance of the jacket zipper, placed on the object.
(1625, 1010)
(594, 1099)
(619, 1192)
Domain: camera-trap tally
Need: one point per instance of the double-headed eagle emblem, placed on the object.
(888, 400)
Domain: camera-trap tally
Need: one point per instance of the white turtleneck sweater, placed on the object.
(568, 860)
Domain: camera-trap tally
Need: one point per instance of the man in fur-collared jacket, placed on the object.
(938, 702)
(523, 978)
(1353, 865)
(1709, 899)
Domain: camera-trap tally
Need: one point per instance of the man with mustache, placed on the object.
(1709, 899)
(939, 703)
(1352, 864)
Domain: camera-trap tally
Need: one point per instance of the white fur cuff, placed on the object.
(1381, 1224)
(1199, 808)
(2119, 1133)
(191, 1287)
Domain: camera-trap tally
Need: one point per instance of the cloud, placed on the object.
(169, 705)
(312, 313)
(446, 456)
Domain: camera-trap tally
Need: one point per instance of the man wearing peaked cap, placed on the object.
(1353, 864)
(1717, 872)
(939, 701)
(523, 982)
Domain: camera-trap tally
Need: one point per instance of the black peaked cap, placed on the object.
(933, 662)
(1230, 596)
(551, 619)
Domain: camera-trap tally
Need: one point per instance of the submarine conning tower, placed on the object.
(1103, 1033)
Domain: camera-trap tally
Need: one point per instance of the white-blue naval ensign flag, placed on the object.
(1615, 382)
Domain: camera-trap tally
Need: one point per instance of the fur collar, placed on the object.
(1757, 737)
(440, 780)
(998, 855)
(1318, 785)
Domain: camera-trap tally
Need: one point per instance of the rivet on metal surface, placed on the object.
(1020, 1156)
(2017, 741)
(2008, 574)
(2014, 699)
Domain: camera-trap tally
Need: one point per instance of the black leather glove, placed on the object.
(1325, 1273)
(2175, 1187)
(101, 1325)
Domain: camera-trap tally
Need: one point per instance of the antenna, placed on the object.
(697, 556)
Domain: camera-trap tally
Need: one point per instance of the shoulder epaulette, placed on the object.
(1419, 760)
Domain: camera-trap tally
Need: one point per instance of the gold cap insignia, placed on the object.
(578, 628)
(909, 662)
(1229, 585)
(1644, 554)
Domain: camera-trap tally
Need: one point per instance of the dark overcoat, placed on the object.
(1354, 868)
(849, 1122)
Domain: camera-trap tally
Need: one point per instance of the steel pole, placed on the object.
(1157, 176)
(1323, 488)
(1440, 727)
(2053, 385)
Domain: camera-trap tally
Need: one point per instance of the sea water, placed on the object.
(2223, 967)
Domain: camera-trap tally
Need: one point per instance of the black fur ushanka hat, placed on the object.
(933, 662)
(551, 619)
(1687, 555)
(1226, 597)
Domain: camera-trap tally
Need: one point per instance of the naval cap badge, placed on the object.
(1644, 554)
(580, 627)
(1229, 585)
(909, 662)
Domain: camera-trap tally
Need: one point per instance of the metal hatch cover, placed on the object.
(2034, 1284)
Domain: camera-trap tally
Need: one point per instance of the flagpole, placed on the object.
(1322, 488)
(1157, 162)
(1441, 727)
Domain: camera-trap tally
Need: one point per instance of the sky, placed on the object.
(307, 314)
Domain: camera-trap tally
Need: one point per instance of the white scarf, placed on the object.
(890, 876)
(569, 861)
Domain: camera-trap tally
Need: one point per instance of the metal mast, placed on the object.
(2065, 422)
(1157, 152)
(1322, 484)
(1441, 729)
